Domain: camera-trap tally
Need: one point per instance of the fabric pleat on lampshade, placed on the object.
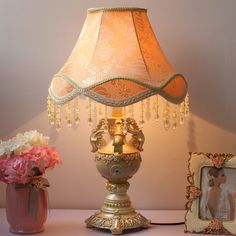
(117, 61)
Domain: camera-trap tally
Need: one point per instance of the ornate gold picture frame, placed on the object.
(211, 194)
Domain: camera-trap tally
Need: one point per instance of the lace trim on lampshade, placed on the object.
(125, 101)
(90, 10)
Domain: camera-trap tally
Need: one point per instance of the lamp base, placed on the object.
(117, 161)
(117, 222)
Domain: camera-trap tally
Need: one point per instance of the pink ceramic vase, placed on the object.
(26, 208)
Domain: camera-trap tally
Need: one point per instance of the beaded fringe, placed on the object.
(171, 114)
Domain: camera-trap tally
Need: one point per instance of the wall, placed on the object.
(199, 40)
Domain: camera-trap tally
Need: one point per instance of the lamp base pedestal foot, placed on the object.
(116, 223)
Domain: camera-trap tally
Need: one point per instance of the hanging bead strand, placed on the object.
(90, 120)
(52, 113)
(166, 116)
(141, 123)
(181, 113)
(77, 111)
(100, 113)
(68, 114)
(105, 120)
(58, 118)
(131, 110)
(49, 106)
(174, 117)
(156, 109)
(186, 105)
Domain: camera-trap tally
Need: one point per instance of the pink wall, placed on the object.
(199, 39)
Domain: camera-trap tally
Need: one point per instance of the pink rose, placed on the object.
(218, 160)
(20, 168)
(216, 224)
(195, 192)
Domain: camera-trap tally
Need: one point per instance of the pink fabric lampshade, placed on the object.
(117, 61)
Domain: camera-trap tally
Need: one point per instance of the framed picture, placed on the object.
(211, 194)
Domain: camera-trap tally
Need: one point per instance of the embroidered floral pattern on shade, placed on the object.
(117, 47)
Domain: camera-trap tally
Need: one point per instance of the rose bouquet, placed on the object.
(26, 156)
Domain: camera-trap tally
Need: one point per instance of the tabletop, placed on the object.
(65, 222)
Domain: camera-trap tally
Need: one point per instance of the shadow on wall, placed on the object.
(211, 81)
(212, 95)
(207, 59)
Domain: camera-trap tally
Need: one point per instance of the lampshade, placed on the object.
(117, 61)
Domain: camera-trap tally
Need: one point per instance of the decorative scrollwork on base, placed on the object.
(138, 138)
(96, 138)
(107, 158)
(117, 223)
(117, 204)
(117, 187)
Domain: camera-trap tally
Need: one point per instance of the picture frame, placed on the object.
(211, 194)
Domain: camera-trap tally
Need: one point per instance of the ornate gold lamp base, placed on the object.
(117, 214)
(117, 160)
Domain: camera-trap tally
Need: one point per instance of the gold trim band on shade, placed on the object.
(90, 10)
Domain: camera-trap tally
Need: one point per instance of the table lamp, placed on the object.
(117, 62)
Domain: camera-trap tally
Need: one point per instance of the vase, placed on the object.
(26, 207)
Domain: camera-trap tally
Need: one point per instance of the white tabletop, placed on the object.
(71, 223)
